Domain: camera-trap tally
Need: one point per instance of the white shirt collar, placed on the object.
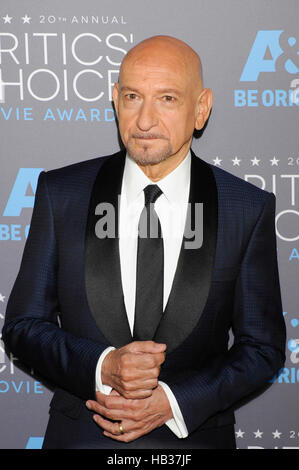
(173, 185)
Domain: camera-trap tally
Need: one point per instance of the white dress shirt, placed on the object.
(171, 208)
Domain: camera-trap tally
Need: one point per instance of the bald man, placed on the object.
(140, 355)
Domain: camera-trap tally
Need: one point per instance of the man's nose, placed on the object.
(147, 116)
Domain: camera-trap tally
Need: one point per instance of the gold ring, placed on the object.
(121, 428)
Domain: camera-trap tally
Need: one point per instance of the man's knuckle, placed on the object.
(135, 404)
(152, 361)
(110, 414)
(125, 376)
(160, 358)
(124, 360)
(106, 402)
(127, 394)
(128, 386)
(147, 393)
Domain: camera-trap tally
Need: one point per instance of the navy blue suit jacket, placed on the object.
(67, 303)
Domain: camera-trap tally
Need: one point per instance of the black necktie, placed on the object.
(149, 275)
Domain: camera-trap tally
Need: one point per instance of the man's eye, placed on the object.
(131, 96)
(168, 98)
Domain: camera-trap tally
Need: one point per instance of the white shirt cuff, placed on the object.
(176, 424)
(100, 387)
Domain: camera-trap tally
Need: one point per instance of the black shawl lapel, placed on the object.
(102, 262)
(192, 279)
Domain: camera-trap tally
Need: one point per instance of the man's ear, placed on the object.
(115, 95)
(203, 108)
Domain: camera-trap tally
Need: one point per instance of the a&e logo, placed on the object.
(22, 196)
(273, 51)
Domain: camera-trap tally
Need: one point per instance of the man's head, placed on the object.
(160, 100)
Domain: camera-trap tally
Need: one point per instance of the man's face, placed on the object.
(155, 102)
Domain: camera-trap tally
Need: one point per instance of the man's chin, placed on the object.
(146, 157)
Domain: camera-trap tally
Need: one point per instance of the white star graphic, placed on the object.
(274, 161)
(240, 433)
(236, 161)
(217, 161)
(26, 19)
(276, 434)
(2, 297)
(258, 434)
(7, 19)
(255, 161)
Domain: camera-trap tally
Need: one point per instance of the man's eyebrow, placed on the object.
(158, 90)
(128, 88)
(170, 90)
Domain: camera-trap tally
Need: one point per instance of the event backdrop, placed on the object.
(58, 63)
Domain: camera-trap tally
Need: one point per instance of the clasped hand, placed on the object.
(136, 399)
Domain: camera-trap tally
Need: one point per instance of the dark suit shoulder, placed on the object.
(71, 185)
(236, 190)
(74, 171)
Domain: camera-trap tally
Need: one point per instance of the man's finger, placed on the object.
(143, 362)
(129, 427)
(150, 360)
(112, 428)
(147, 347)
(126, 437)
(110, 413)
(114, 402)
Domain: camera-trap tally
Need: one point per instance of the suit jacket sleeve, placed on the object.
(31, 330)
(258, 328)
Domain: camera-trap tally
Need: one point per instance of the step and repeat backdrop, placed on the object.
(58, 63)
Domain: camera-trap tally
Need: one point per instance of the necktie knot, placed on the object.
(151, 193)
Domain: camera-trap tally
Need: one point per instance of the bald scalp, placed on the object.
(169, 48)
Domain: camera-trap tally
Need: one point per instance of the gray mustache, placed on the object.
(149, 136)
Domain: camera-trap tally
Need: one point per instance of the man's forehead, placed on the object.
(155, 59)
(150, 70)
(159, 79)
